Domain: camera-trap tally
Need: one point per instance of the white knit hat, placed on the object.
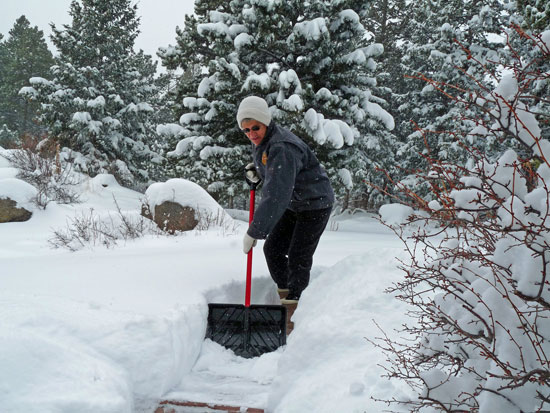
(253, 107)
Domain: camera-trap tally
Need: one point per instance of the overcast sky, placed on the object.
(159, 19)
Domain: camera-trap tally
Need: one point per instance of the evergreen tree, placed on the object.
(535, 13)
(24, 55)
(337, 74)
(2, 58)
(5, 133)
(445, 40)
(210, 145)
(99, 101)
(534, 18)
(8, 138)
(389, 22)
(310, 61)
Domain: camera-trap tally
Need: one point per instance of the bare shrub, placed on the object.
(218, 219)
(39, 165)
(92, 229)
(478, 287)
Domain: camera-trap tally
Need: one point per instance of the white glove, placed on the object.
(248, 243)
(251, 175)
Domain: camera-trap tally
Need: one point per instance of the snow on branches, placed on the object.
(478, 281)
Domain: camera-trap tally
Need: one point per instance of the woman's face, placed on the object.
(254, 130)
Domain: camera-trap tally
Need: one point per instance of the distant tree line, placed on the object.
(348, 77)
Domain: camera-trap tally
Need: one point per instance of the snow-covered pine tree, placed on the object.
(325, 89)
(25, 54)
(438, 36)
(389, 21)
(159, 168)
(208, 146)
(342, 115)
(6, 135)
(8, 138)
(97, 101)
(535, 13)
(313, 64)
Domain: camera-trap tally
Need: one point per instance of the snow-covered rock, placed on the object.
(16, 200)
(180, 205)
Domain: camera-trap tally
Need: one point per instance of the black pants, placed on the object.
(290, 246)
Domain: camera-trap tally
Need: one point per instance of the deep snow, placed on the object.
(119, 329)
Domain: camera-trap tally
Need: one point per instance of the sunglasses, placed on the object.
(254, 128)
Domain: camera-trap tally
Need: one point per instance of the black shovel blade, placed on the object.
(248, 331)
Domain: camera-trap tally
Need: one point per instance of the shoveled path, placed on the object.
(222, 382)
(237, 385)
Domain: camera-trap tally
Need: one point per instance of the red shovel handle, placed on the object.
(249, 260)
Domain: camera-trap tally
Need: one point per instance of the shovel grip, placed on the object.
(249, 258)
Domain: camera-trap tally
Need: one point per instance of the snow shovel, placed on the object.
(248, 330)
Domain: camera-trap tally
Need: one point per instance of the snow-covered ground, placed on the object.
(118, 329)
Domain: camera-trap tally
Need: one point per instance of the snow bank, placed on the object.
(44, 366)
(395, 214)
(19, 191)
(113, 330)
(98, 182)
(94, 361)
(6, 170)
(328, 366)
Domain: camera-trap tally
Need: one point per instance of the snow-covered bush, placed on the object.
(41, 166)
(479, 286)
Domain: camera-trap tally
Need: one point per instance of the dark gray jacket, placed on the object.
(292, 179)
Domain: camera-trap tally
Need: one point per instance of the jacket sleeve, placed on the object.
(284, 162)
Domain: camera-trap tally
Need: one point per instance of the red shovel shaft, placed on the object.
(249, 261)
